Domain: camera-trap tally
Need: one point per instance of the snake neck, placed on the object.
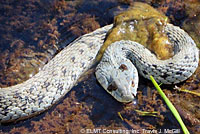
(171, 71)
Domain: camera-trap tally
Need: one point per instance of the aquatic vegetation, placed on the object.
(170, 105)
(143, 24)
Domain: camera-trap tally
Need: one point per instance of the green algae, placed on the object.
(143, 24)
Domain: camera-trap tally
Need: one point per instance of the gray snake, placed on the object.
(60, 74)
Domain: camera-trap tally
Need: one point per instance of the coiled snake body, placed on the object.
(57, 77)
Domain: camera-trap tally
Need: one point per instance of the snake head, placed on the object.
(120, 80)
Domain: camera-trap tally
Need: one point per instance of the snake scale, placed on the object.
(60, 74)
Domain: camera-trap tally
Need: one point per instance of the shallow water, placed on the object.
(29, 31)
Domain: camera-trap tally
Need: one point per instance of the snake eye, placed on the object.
(123, 67)
(112, 87)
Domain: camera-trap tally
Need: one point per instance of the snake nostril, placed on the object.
(132, 84)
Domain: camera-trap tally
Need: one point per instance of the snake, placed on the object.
(117, 71)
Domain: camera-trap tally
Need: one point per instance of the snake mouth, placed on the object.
(131, 101)
(128, 98)
(128, 103)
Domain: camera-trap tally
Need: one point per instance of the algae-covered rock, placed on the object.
(143, 24)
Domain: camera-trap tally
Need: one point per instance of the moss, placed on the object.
(143, 24)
